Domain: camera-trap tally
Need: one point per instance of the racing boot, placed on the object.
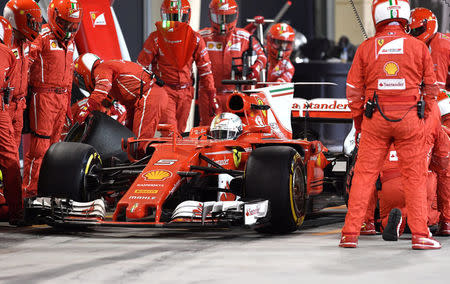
(392, 230)
(443, 229)
(348, 241)
(368, 228)
(419, 242)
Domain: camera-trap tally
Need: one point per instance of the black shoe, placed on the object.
(392, 229)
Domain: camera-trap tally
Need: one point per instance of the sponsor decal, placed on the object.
(237, 156)
(223, 162)
(324, 106)
(150, 185)
(157, 175)
(391, 84)
(146, 191)
(214, 46)
(135, 205)
(392, 47)
(391, 68)
(165, 162)
(74, 11)
(380, 42)
(224, 7)
(393, 156)
(236, 47)
(134, 197)
(54, 45)
(254, 211)
(98, 19)
(16, 53)
(260, 102)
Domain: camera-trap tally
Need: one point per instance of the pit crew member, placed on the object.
(51, 73)
(170, 52)
(129, 84)
(383, 86)
(224, 42)
(280, 40)
(25, 18)
(9, 154)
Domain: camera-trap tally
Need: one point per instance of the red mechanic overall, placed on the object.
(224, 42)
(393, 65)
(280, 40)
(170, 52)
(133, 87)
(9, 154)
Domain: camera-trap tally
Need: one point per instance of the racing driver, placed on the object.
(128, 83)
(51, 73)
(170, 52)
(383, 86)
(224, 42)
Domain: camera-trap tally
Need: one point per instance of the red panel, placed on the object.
(97, 33)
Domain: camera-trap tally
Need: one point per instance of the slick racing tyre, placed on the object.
(275, 173)
(65, 172)
(104, 133)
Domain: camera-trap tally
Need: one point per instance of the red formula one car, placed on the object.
(262, 178)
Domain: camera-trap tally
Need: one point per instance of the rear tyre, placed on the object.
(65, 172)
(276, 173)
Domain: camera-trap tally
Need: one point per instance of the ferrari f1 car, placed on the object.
(260, 179)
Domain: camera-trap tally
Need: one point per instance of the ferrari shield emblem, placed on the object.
(380, 42)
(237, 157)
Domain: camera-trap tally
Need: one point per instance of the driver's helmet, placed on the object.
(226, 126)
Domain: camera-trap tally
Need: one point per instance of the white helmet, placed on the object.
(384, 10)
(226, 126)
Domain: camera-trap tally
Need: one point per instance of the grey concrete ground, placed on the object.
(122, 255)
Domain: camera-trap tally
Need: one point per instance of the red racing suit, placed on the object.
(157, 54)
(17, 102)
(51, 73)
(133, 87)
(9, 153)
(280, 70)
(393, 65)
(222, 49)
(440, 53)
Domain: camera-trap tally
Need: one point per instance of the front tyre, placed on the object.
(275, 173)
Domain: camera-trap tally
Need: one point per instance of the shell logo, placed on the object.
(157, 175)
(391, 68)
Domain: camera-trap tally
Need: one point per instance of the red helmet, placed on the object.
(24, 16)
(171, 12)
(423, 24)
(384, 11)
(83, 67)
(64, 17)
(280, 40)
(6, 32)
(223, 15)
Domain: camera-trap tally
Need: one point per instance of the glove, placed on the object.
(213, 104)
(254, 73)
(259, 20)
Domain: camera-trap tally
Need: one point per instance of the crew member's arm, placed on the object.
(356, 88)
(288, 73)
(149, 51)
(261, 60)
(441, 60)
(430, 87)
(100, 98)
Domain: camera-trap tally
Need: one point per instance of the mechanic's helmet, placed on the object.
(226, 126)
(280, 41)
(423, 24)
(384, 11)
(24, 16)
(6, 32)
(171, 12)
(83, 67)
(64, 18)
(223, 15)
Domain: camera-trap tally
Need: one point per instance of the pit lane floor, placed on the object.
(41, 254)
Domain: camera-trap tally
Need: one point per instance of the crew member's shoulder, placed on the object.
(241, 32)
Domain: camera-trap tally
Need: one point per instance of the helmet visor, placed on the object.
(79, 81)
(33, 24)
(174, 17)
(224, 134)
(282, 45)
(66, 26)
(223, 19)
(418, 31)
